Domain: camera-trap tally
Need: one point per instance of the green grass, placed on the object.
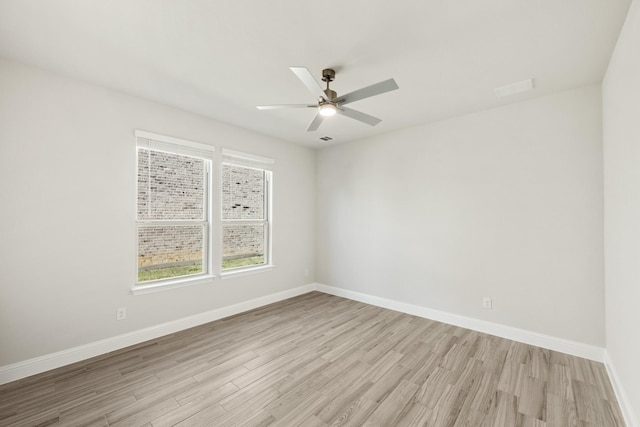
(168, 272)
(242, 262)
(186, 270)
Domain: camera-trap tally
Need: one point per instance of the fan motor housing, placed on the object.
(331, 94)
(328, 75)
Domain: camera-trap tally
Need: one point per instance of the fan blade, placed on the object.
(282, 106)
(307, 79)
(366, 92)
(315, 124)
(357, 115)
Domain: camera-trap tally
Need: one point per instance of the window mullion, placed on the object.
(184, 222)
(244, 221)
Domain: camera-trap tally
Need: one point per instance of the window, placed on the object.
(173, 210)
(246, 211)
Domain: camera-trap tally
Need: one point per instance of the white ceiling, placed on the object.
(221, 58)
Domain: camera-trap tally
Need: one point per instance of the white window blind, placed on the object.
(247, 160)
(168, 144)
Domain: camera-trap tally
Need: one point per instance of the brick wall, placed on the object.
(242, 198)
(170, 187)
(169, 245)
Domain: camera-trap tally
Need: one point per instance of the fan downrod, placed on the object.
(328, 75)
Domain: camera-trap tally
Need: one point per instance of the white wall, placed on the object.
(505, 203)
(67, 182)
(621, 111)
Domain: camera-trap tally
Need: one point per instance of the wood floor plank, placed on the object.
(211, 383)
(387, 383)
(434, 387)
(416, 415)
(482, 398)
(560, 382)
(395, 405)
(302, 374)
(339, 403)
(298, 410)
(46, 417)
(141, 413)
(349, 375)
(188, 409)
(206, 416)
(96, 408)
(444, 407)
(224, 366)
(506, 412)
(254, 418)
(263, 389)
(319, 360)
(532, 398)
(355, 413)
(561, 411)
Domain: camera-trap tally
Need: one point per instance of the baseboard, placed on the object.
(528, 337)
(45, 363)
(630, 419)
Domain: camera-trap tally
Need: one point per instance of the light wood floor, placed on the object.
(319, 360)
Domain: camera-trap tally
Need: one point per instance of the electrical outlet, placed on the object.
(486, 303)
(121, 313)
(306, 273)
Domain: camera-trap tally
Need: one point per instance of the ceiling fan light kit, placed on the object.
(329, 103)
(327, 109)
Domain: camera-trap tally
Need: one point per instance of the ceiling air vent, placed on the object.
(326, 138)
(513, 88)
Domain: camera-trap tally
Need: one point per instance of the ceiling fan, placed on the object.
(329, 103)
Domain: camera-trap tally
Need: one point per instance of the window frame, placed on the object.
(264, 164)
(162, 143)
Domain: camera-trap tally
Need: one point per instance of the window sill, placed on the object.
(172, 284)
(245, 271)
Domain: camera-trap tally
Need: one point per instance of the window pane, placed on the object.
(242, 193)
(170, 251)
(170, 186)
(242, 245)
